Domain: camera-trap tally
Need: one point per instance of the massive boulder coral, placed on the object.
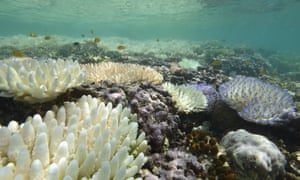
(122, 73)
(35, 80)
(253, 156)
(82, 140)
(258, 102)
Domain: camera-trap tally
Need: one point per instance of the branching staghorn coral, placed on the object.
(258, 102)
(35, 80)
(86, 139)
(122, 73)
(188, 99)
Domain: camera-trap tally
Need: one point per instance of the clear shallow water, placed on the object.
(272, 24)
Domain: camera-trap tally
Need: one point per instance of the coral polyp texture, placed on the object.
(122, 73)
(82, 140)
(253, 156)
(187, 98)
(258, 102)
(35, 80)
(210, 93)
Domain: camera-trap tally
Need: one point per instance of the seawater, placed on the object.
(271, 24)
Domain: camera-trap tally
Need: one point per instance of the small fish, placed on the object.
(92, 31)
(17, 53)
(47, 37)
(121, 47)
(216, 63)
(247, 62)
(262, 71)
(275, 75)
(97, 40)
(76, 43)
(33, 34)
(174, 67)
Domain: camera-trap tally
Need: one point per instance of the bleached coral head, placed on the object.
(83, 140)
(258, 102)
(253, 156)
(35, 80)
(187, 98)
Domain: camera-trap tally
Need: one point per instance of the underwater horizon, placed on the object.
(269, 24)
(150, 89)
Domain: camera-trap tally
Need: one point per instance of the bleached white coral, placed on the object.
(253, 156)
(87, 139)
(35, 80)
(187, 98)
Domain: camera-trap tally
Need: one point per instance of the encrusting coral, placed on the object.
(258, 102)
(188, 99)
(122, 73)
(86, 139)
(33, 80)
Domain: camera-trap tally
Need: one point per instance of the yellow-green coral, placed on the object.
(187, 98)
(122, 73)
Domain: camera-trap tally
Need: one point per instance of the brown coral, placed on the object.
(122, 73)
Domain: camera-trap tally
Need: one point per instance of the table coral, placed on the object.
(258, 102)
(122, 73)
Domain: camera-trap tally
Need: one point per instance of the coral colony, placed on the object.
(33, 80)
(187, 98)
(258, 102)
(86, 139)
(254, 156)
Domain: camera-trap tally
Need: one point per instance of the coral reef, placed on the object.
(86, 139)
(187, 98)
(258, 102)
(189, 64)
(210, 93)
(173, 164)
(210, 155)
(253, 156)
(155, 117)
(122, 73)
(33, 80)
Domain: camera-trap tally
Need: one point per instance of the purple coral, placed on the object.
(256, 101)
(210, 93)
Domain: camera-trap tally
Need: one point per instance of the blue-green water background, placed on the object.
(271, 24)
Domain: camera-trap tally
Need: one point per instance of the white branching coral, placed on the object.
(187, 98)
(35, 80)
(83, 140)
(122, 73)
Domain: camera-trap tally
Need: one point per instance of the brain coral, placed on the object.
(35, 80)
(254, 157)
(188, 99)
(83, 140)
(122, 73)
(256, 101)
